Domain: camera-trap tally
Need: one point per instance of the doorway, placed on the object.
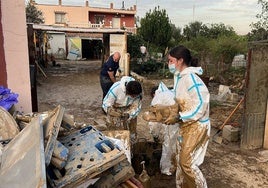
(91, 48)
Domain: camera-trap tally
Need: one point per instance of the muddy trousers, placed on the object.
(192, 144)
(106, 84)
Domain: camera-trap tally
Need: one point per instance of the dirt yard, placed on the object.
(75, 86)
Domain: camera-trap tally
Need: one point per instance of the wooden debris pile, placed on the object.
(64, 154)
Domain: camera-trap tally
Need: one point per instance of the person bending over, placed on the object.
(123, 103)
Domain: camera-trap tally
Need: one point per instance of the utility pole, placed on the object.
(193, 11)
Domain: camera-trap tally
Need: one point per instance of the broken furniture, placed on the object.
(81, 158)
(90, 153)
(23, 160)
(8, 126)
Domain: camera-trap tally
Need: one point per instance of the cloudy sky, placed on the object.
(236, 13)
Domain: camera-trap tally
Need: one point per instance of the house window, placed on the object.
(99, 19)
(60, 17)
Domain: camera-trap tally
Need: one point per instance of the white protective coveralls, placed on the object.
(165, 97)
(117, 98)
(193, 97)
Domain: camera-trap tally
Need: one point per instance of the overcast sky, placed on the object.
(236, 13)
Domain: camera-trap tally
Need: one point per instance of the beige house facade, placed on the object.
(88, 17)
(87, 30)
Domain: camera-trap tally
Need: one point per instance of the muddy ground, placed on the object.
(75, 86)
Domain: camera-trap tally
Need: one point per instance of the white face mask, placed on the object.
(172, 68)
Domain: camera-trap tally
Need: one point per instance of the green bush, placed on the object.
(151, 67)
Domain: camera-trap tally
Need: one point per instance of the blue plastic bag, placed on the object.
(4, 90)
(7, 98)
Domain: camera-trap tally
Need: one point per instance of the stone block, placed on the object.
(230, 133)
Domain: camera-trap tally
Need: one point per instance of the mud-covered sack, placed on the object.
(162, 105)
(163, 96)
(7, 98)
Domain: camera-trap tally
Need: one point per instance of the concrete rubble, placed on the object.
(48, 150)
(225, 94)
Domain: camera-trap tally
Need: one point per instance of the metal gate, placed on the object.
(253, 129)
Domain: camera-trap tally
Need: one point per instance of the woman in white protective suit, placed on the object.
(192, 96)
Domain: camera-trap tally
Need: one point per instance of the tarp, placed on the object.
(74, 52)
(7, 98)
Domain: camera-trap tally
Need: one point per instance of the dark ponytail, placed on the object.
(193, 62)
(184, 53)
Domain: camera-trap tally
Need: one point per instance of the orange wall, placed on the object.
(79, 15)
(76, 15)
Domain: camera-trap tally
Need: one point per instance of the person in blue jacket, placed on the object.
(108, 72)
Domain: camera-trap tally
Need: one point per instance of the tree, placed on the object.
(134, 42)
(225, 48)
(213, 31)
(33, 15)
(200, 48)
(192, 30)
(155, 28)
(216, 30)
(216, 47)
(260, 28)
(176, 36)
